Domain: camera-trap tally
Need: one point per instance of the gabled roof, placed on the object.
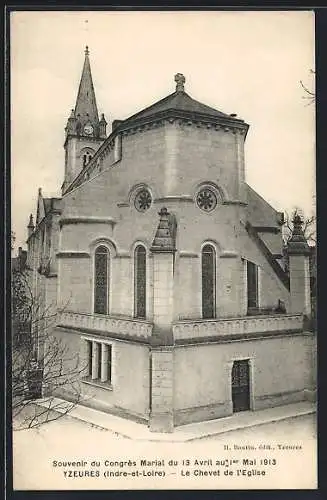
(45, 206)
(179, 101)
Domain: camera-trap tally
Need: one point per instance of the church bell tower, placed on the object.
(84, 131)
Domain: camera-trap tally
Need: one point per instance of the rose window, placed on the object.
(206, 199)
(143, 200)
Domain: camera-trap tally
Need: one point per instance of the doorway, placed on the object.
(241, 385)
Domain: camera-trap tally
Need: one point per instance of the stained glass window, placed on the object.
(206, 199)
(140, 282)
(143, 200)
(208, 282)
(101, 278)
(252, 281)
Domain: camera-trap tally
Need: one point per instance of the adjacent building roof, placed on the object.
(45, 206)
(18, 263)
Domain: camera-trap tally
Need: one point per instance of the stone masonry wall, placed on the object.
(201, 377)
(172, 161)
(130, 374)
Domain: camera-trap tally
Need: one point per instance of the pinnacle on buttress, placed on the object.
(31, 222)
(103, 126)
(30, 227)
(71, 123)
(298, 244)
(164, 240)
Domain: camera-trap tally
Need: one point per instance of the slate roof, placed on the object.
(259, 211)
(50, 204)
(47, 205)
(179, 101)
(86, 105)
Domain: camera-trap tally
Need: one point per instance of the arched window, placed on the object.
(87, 157)
(140, 282)
(252, 288)
(208, 282)
(101, 280)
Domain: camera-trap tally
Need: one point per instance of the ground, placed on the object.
(205, 463)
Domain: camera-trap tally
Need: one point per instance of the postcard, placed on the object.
(163, 250)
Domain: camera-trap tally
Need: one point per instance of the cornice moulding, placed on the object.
(267, 229)
(72, 255)
(229, 254)
(86, 220)
(174, 198)
(186, 254)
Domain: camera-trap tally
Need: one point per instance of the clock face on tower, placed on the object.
(88, 129)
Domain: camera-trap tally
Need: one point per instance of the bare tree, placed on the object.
(12, 240)
(42, 364)
(309, 95)
(309, 226)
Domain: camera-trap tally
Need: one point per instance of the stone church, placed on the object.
(166, 270)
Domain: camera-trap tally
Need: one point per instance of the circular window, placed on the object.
(206, 199)
(143, 200)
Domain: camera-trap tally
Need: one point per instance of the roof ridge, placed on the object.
(149, 107)
(208, 107)
(179, 101)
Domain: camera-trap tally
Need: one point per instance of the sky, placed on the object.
(249, 63)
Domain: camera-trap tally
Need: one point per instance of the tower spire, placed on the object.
(86, 111)
(84, 131)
